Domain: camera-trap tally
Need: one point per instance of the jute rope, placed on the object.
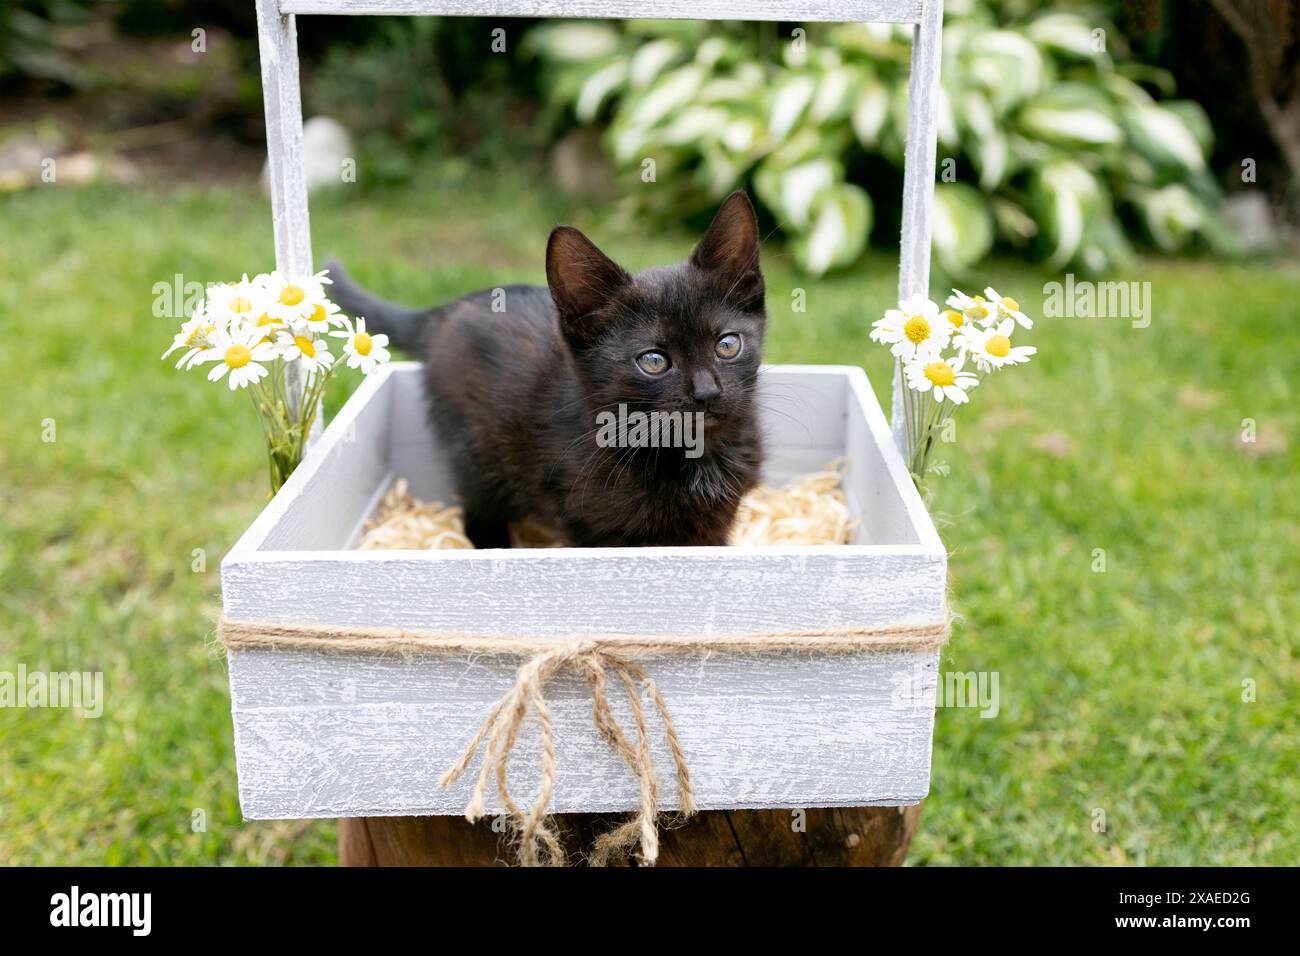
(595, 657)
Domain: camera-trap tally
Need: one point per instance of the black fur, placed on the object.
(514, 394)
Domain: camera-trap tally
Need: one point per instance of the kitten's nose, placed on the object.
(704, 387)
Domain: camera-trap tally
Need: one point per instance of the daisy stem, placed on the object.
(917, 435)
(309, 408)
(934, 418)
(279, 465)
(911, 406)
(908, 428)
(918, 419)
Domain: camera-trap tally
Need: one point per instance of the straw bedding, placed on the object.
(808, 510)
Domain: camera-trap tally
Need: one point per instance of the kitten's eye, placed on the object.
(653, 363)
(728, 346)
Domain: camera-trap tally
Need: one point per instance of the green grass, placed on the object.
(1120, 691)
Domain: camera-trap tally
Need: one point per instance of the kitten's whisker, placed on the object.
(792, 419)
(624, 462)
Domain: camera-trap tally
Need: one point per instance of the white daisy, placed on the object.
(324, 313)
(195, 337)
(294, 299)
(364, 351)
(310, 352)
(991, 348)
(957, 319)
(238, 352)
(269, 326)
(974, 308)
(915, 327)
(236, 303)
(1008, 308)
(944, 378)
(965, 337)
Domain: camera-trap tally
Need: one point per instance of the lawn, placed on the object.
(1147, 713)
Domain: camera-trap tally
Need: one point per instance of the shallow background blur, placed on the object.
(1141, 114)
(1148, 709)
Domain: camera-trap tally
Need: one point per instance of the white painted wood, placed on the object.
(321, 503)
(354, 735)
(880, 11)
(320, 734)
(277, 40)
(555, 592)
(918, 176)
(877, 485)
(278, 44)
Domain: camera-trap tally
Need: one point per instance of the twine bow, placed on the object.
(594, 656)
(538, 842)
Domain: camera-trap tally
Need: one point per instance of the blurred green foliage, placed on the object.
(423, 84)
(1054, 139)
(33, 43)
(406, 86)
(1050, 138)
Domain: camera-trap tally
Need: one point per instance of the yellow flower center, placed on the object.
(305, 345)
(199, 332)
(917, 329)
(267, 320)
(979, 310)
(955, 317)
(361, 342)
(1011, 305)
(940, 373)
(240, 304)
(998, 345)
(237, 356)
(291, 295)
(318, 313)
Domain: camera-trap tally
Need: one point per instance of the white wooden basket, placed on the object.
(332, 734)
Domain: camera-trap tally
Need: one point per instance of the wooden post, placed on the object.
(277, 42)
(918, 180)
(840, 836)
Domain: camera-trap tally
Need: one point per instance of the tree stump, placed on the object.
(841, 836)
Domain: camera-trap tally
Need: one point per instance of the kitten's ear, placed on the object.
(730, 251)
(582, 279)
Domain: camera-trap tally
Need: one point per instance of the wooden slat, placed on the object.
(278, 44)
(321, 503)
(555, 592)
(864, 11)
(277, 40)
(328, 735)
(918, 175)
(879, 491)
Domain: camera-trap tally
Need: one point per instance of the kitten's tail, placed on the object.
(405, 327)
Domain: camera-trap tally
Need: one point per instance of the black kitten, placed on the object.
(524, 382)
